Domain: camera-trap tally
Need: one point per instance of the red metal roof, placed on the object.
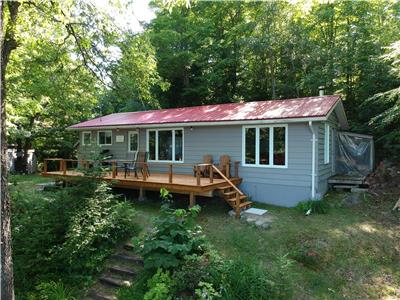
(309, 107)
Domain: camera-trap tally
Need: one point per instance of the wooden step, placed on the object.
(245, 204)
(342, 186)
(242, 197)
(114, 281)
(228, 194)
(128, 258)
(225, 187)
(122, 271)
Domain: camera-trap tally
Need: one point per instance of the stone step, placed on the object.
(128, 246)
(114, 281)
(128, 258)
(99, 296)
(122, 270)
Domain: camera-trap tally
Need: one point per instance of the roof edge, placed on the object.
(213, 123)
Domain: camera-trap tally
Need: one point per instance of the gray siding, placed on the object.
(279, 186)
(324, 171)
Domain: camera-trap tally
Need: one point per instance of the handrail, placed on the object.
(227, 180)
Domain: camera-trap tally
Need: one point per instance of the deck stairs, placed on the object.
(233, 195)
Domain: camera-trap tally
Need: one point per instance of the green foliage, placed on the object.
(65, 235)
(175, 236)
(51, 291)
(253, 282)
(206, 291)
(316, 206)
(160, 286)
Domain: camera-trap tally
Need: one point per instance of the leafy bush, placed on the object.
(252, 282)
(316, 206)
(175, 236)
(160, 286)
(65, 235)
(51, 291)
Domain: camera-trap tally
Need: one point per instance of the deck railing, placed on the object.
(63, 165)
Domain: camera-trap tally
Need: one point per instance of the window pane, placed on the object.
(165, 145)
(250, 141)
(87, 136)
(264, 146)
(152, 145)
(178, 145)
(133, 142)
(279, 146)
(102, 138)
(108, 138)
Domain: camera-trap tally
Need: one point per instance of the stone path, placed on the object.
(121, 270)
(259, 219)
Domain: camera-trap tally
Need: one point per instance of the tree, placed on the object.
(8, 15)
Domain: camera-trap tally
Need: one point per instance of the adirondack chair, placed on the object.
(138, 164)
(204, 171)
(224, 161)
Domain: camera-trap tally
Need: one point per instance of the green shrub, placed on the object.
(160, 286)
(316, 206)
(65, 235)
(249, 281)
(51, 291)
(174, 237)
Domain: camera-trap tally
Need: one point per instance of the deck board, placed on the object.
(180, 183)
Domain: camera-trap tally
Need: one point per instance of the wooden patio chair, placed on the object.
(224, 161)
(204, 171)
(141, 158)
(124, 165)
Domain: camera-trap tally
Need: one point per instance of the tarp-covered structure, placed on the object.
(354, 154)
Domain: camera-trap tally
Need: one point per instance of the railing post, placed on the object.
(64, 166)
(170, 173)
(236, 169)
(144, 171)
(237, 205)
(114, 169)
(45, 166)
(197, 174)
(211, 174)
(228, 171)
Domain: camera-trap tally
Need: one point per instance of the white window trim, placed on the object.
(83, 139)
(98, 137)
(173, 143)
(271, 143)
(327, 148)
(129, 140)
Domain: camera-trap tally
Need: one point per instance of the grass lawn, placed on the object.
(349, 253)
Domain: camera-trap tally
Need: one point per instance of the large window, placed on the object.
(104, 138)
(165, 145)
(265, 146)
(327, 143)
(86, 138)
(133, 141)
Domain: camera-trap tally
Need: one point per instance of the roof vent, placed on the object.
(321, 90)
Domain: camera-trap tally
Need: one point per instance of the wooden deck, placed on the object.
(194, 185)
(181, 183)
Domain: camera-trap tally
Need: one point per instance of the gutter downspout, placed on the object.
(313, 140)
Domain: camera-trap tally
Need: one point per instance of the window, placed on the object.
(165, 145)
(265, 146)
(327, 138)
(104, 138)
(133, 141)
(86, 138)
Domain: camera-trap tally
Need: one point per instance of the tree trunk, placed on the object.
(7, 44)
